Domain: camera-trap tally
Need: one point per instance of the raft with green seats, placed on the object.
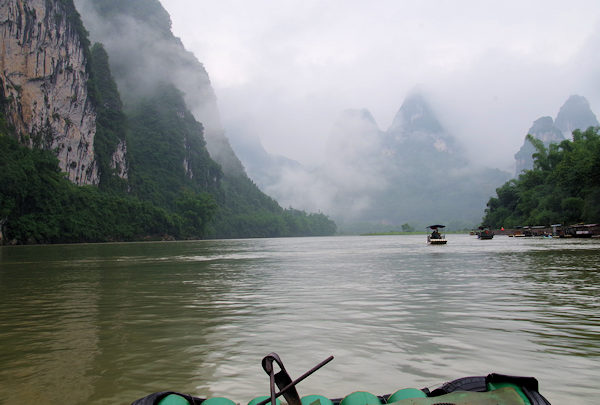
(493, 389)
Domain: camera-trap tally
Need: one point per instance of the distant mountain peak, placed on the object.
(575, 114)
(545, 129)
(355, 121)
(416, 134)
(416, 115)
(360, 114)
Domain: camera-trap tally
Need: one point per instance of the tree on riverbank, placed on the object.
(563, 186)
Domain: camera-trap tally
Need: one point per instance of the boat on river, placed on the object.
(436, 238)
(485, 233)
(494, 388)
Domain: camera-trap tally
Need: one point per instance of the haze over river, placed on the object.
(110, 323)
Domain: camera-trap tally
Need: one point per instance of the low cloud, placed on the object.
(491, 68)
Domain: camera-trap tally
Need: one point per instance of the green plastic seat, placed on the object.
(361, 398)
(262, 398)
(218, 401)
(315, 400)
(173, 399)
(406, 393)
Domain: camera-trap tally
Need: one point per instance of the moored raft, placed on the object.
(493, 389)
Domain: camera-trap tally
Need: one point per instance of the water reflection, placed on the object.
(561, 298)
(49, 332)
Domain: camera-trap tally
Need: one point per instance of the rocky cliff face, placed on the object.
(43, 78)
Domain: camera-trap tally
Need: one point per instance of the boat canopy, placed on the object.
(436, 226)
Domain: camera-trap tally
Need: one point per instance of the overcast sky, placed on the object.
(283, 70)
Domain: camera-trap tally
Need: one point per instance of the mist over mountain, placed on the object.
(416, 134)
(262, 167)
(415, 117)
(574, 114)
(414, 172)
(144, 53)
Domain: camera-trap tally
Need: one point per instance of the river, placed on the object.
(110, 323)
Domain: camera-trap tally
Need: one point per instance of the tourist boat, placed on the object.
(484, 233)
(480, 390)
(436, 238)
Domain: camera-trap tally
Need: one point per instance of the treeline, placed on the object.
(563, 187)
(247, 212)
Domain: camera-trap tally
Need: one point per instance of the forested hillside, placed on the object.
(563, 186)
(156, 179)
(39, 205)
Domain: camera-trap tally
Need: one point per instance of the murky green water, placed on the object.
(107, 324)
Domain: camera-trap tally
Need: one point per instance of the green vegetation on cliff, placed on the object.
(111, 121)
(166, 149)
(563, 187)
(38, 205)
(169, 165)
(147, 11)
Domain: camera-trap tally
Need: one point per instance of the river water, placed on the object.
(110, 323)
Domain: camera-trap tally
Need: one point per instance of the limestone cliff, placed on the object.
(44, 83)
